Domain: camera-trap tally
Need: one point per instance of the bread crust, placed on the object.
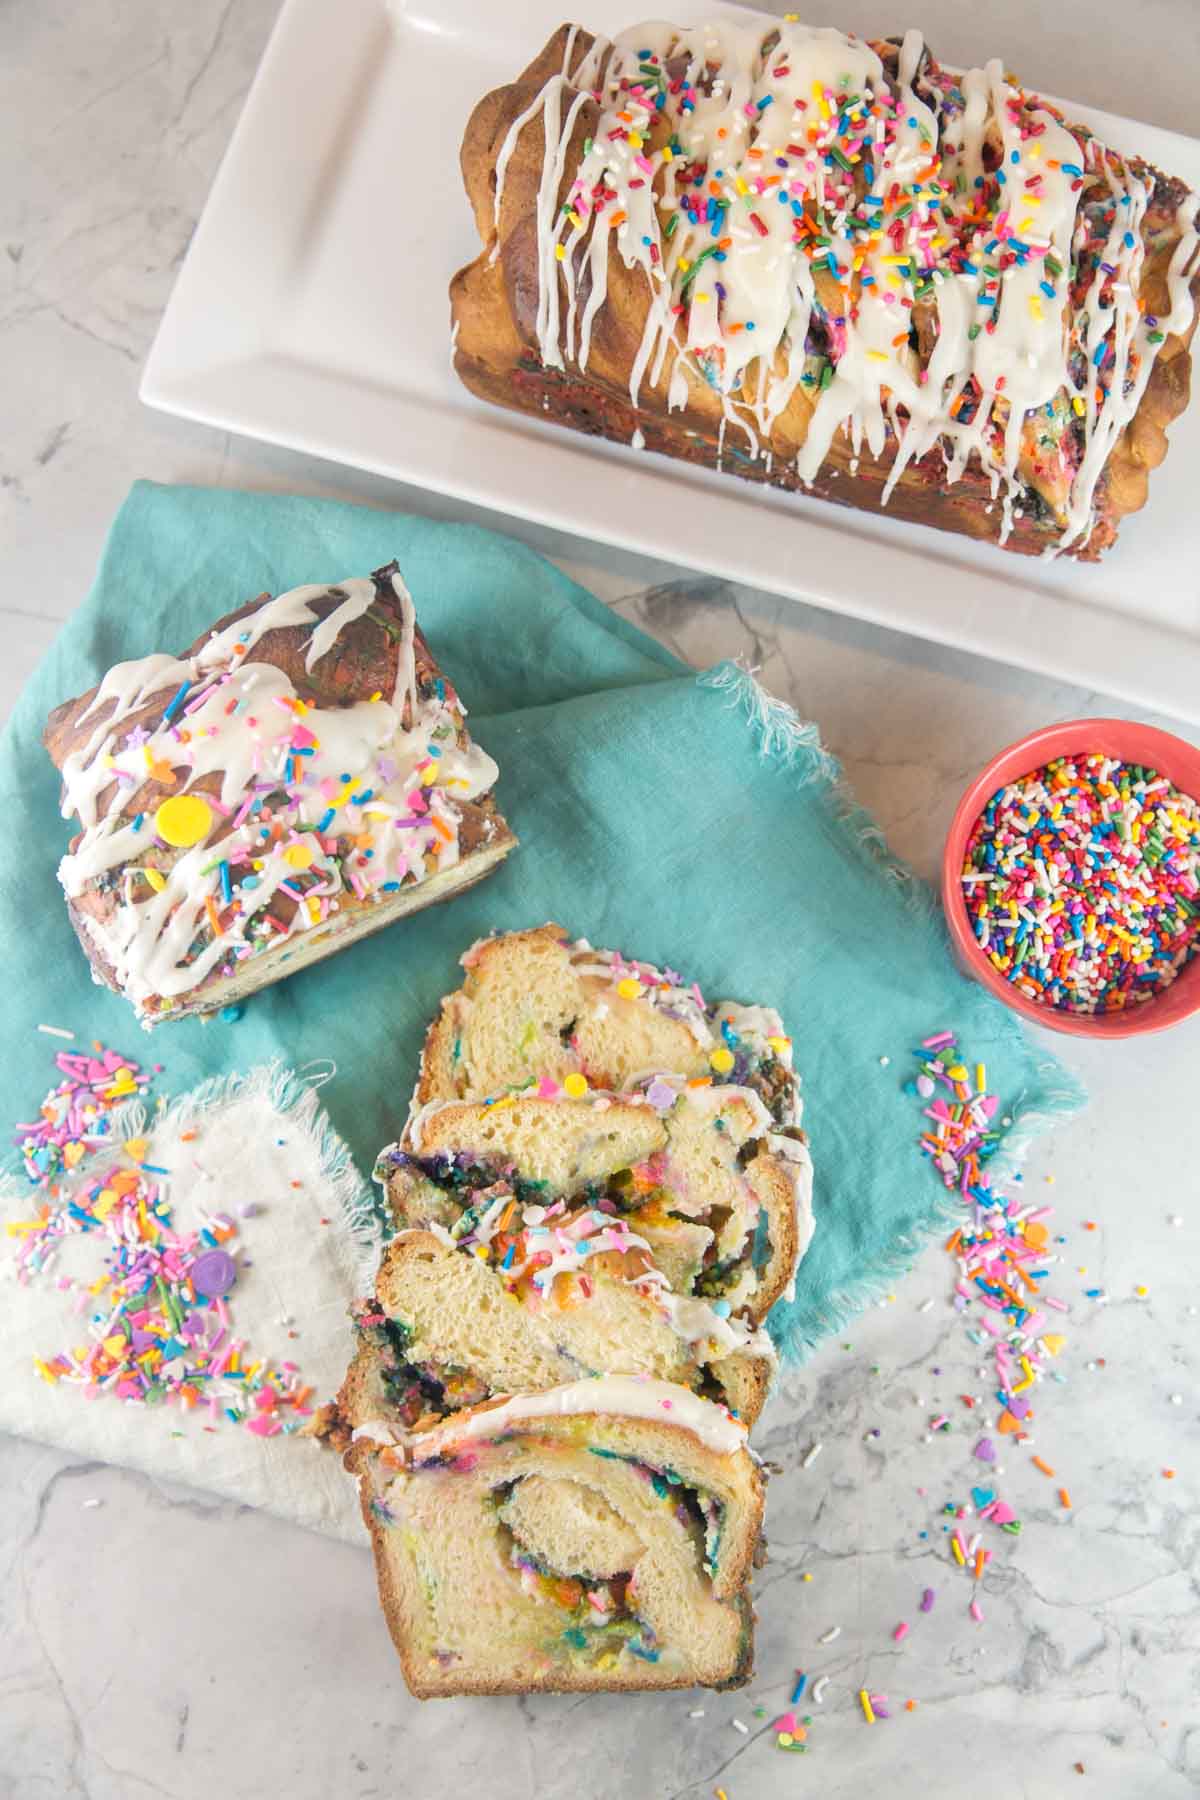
(494, 303)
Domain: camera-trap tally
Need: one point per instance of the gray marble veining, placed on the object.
(153, 1643)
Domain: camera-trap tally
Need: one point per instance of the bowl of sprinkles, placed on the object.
(1071, 878)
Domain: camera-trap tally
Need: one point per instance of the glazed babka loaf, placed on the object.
(596, 1536)
(833, 265)
(300, 777)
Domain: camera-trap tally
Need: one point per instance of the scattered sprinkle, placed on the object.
(75, 1117)
(156, 1328)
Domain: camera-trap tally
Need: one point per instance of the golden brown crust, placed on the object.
(494, 305)
(745, 1382)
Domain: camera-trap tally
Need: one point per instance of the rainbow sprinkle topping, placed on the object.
(1082, 883)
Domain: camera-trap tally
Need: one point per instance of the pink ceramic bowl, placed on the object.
(1133, 743)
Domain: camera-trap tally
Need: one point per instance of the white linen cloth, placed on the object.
(309, 1246)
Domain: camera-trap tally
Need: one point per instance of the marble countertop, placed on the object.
(154, 1643)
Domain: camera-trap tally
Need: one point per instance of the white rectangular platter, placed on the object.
(312, 312)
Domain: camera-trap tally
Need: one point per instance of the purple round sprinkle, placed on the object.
(213, 1274)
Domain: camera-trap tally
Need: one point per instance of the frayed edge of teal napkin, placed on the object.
(792, 746)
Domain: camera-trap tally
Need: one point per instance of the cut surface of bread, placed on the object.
(537, 1007)
(560, 1143)
(534, 1003)
(598, 1536)
(447, 1329)
(540, 1012)
(299, 778)
(1044, 285)
(699, 1166)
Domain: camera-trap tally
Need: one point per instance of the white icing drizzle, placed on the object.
(359, 594)
(377, 1431)
(404, 690)
(321, 776)
(760, 106)
(697, 1323)
(572, 1243)
(617, 1396)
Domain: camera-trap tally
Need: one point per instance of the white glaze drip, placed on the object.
(615, 1396)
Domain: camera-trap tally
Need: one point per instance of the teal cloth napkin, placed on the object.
(687, 820)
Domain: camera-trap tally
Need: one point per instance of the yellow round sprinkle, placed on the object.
(721, 1060)
(629, 988)
(298, 856)
(576, 1085)
(183, 820)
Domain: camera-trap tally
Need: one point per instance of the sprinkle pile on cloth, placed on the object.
(158, 1326)
(74, 1118)
(1082, 883)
